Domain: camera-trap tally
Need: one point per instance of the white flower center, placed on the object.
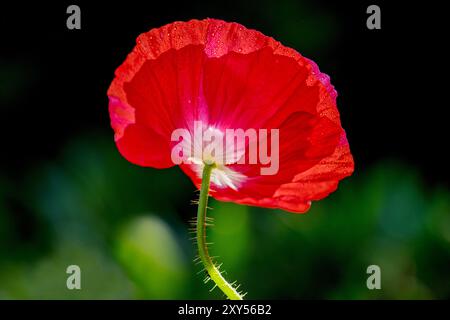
(218, 154)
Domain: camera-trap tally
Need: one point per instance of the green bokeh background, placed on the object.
(121, 224)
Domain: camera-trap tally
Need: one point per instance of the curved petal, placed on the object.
(313, 158)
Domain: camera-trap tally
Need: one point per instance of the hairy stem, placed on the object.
(209, 265)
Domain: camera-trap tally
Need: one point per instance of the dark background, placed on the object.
(53, 107)
(390, 98)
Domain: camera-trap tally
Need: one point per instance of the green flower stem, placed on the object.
(209, 265)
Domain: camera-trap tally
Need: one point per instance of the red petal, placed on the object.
(231, 77)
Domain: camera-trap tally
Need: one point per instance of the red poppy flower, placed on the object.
(227, 76)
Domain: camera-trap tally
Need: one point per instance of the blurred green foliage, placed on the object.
(127, 228)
